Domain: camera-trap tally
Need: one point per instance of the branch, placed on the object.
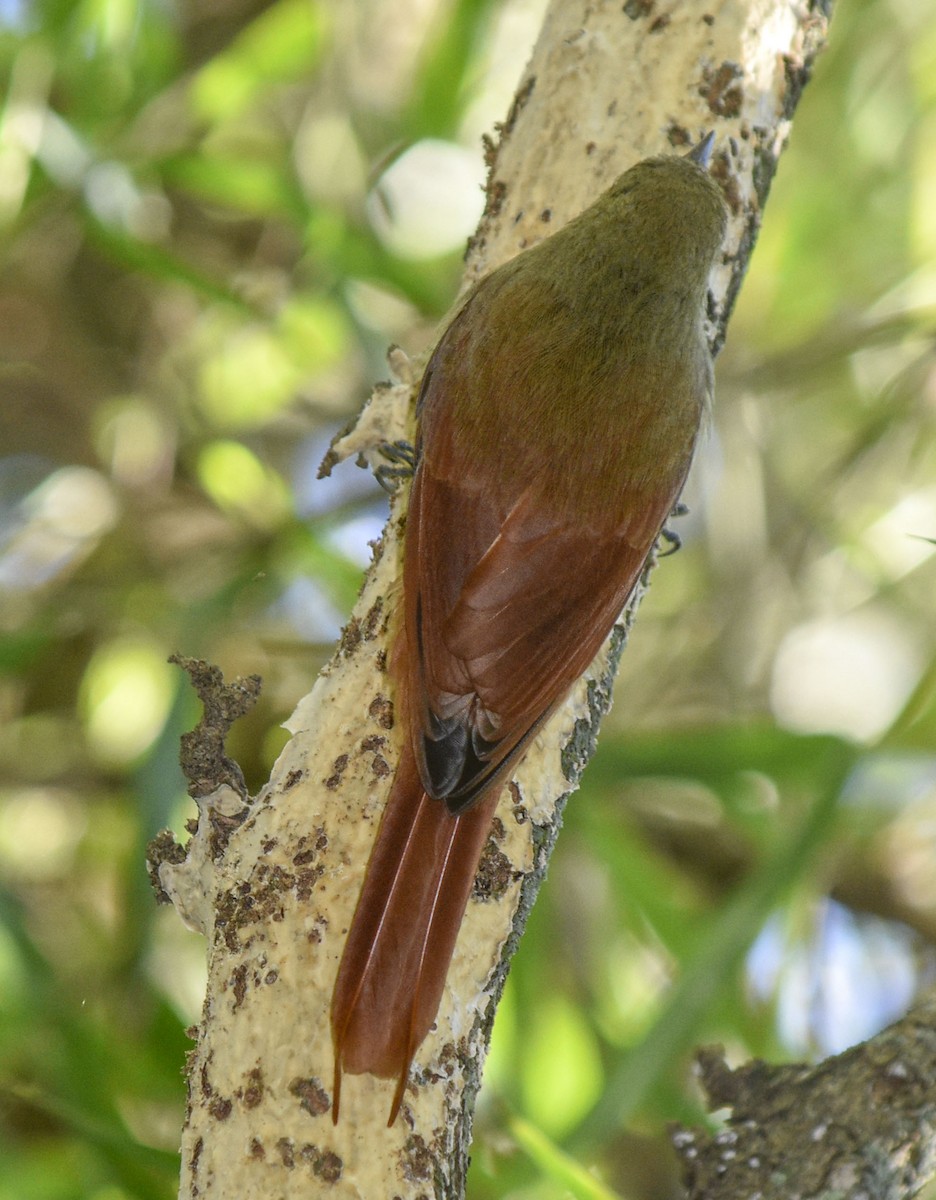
(608, 83)
(861, 1124)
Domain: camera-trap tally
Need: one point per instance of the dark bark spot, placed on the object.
(381, 710)
(339, 766)
(721, 90)
(239, 985)
(312, 1097)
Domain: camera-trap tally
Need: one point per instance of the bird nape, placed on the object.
(557, 419)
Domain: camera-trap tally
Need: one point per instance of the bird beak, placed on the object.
(702, 153)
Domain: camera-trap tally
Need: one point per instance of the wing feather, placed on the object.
(505, 622)
(516, 562)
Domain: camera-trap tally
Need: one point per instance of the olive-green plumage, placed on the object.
(596, 330)
(557, 420)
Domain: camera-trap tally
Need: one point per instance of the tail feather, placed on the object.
(403, 934)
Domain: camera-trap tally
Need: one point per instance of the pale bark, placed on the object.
(273, 885)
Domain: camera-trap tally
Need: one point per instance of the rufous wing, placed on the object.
(501, 624)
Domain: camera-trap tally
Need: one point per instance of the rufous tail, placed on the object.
(403, 933)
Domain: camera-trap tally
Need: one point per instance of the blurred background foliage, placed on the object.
(214, 217)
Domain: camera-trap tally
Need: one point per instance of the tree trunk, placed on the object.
(273, 884)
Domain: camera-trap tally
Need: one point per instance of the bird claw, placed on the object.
(673, 540)
(400, 465)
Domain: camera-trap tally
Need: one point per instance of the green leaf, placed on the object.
(719, 951)
(555, 1164)
(283, 43)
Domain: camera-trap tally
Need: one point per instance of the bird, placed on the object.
(556, 421)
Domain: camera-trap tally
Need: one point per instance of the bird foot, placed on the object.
(400, 465)
(673, 540)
